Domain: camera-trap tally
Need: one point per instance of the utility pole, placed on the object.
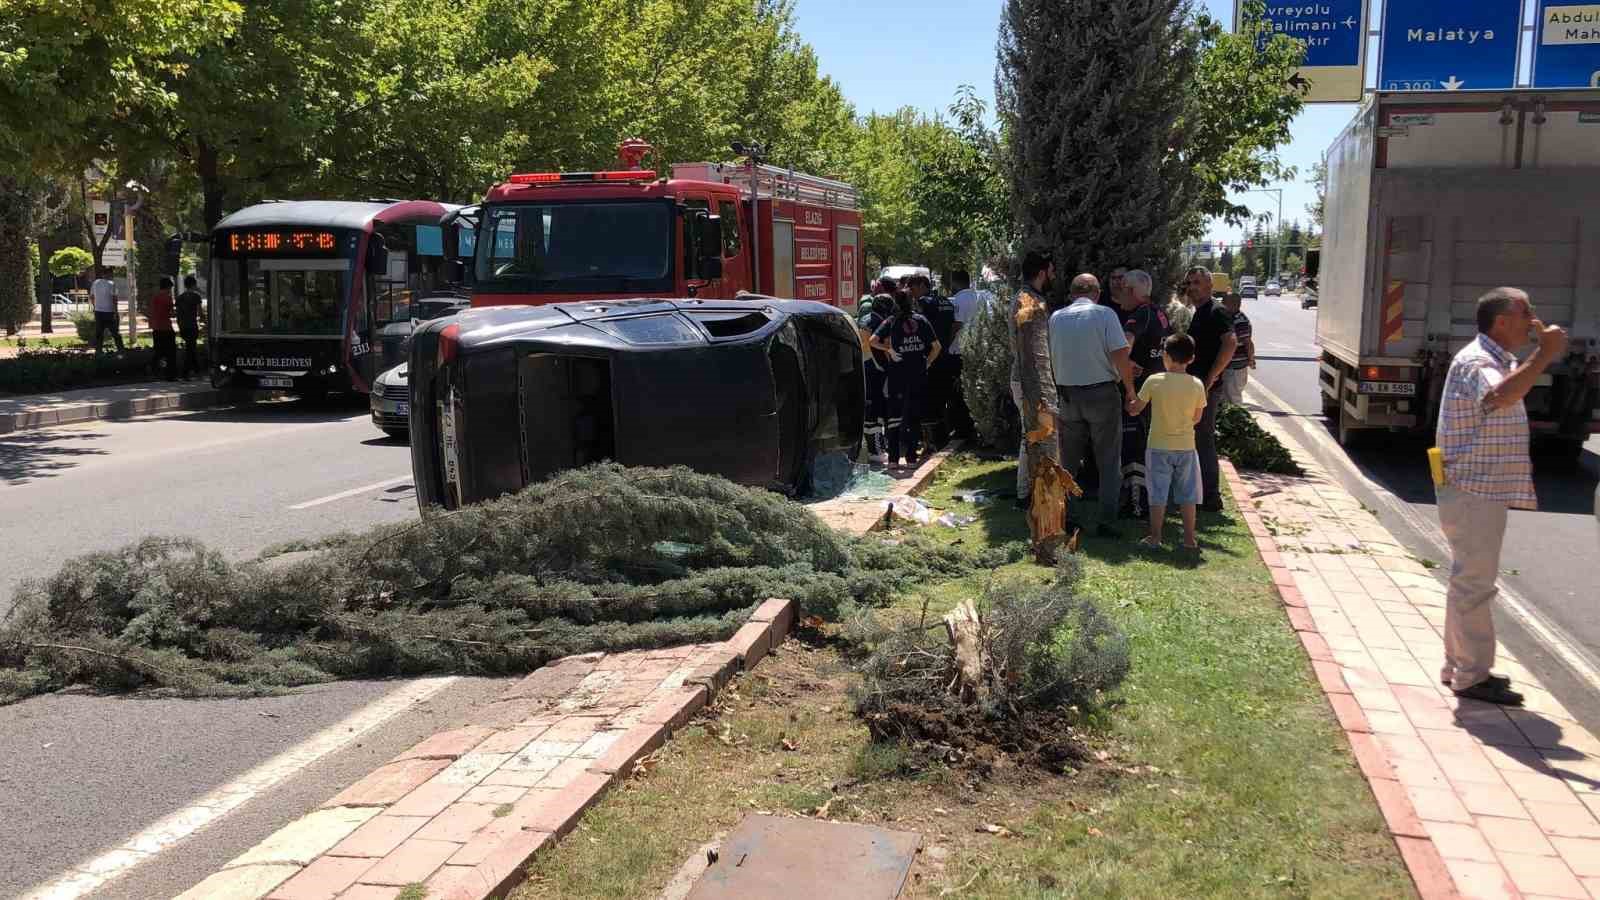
(129, 207)
(1277, 237)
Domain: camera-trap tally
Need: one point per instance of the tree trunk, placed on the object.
(16, 276)
(210, 183)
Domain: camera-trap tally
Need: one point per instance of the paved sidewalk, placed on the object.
(461, 812)
(119, 401)
(1482, 801)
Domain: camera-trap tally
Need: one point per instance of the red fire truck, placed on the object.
(709, 230)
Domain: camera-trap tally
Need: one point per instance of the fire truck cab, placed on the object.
(708, 230)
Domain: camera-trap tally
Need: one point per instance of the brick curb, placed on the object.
(1421, 856)
(463, 811)
(151, 404)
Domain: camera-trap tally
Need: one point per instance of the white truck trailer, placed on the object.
(1433, 199)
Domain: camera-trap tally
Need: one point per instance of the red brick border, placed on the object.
(464, 810)
(1422, 857)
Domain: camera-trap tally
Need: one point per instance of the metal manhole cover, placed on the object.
(774, 858)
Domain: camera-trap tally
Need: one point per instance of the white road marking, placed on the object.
(1552, 636)
(89, 875)
(350, 493)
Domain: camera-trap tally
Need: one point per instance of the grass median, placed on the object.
(1218, 771)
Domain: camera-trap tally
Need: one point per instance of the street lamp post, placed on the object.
(1277, 224)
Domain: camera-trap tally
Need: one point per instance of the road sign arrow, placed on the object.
(1453, 84)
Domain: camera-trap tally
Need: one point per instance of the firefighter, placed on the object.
(912, 347)
(874, 365)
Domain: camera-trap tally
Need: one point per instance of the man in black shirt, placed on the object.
(189, 304)
(1146, 328)
(941, 314)
(1214, 344)
(875, 373)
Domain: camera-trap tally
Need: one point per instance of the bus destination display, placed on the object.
(282, 242)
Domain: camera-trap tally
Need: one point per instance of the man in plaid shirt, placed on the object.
(1483, 436)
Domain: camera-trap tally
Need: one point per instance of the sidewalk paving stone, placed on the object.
(462, 811)
(1482, 801)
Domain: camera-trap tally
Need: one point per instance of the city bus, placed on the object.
(300, 291)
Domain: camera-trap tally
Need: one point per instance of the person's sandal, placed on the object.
(1489, 691)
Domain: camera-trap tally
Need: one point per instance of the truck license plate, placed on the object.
(275, 382)
(1396, 388)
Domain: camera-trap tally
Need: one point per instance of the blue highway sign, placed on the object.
(1566, 45)
(1450, 45)
(1334, 32)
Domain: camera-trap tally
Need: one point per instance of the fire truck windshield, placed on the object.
(576, 247)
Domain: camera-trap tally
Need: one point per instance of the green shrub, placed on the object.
(986, 374)
(1250, 446)
(592, 559)
(43, 369)
(83, 321)
(1042, 647)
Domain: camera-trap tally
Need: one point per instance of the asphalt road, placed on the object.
(85, 773)
(1542, 558)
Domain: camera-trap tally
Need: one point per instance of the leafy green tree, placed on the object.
(1131, 122)
(962, 196)
(70, 261)
(76, 72)
(1319, 178)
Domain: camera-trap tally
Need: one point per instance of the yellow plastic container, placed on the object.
(1436, 465)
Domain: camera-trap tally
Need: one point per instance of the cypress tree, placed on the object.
(1090, 92)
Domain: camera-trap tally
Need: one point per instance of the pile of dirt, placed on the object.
(601, 558)
(1047, 740)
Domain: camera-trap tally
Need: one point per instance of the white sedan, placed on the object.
(391, 402)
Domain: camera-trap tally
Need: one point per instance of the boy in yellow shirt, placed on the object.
(1177, 402)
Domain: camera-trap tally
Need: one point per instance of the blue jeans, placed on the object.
(1174, 475)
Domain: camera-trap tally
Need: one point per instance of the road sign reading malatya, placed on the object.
(1454, 45)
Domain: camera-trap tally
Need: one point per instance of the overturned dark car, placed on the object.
(755, 390)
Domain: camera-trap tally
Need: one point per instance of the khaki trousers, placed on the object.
(1476, 529)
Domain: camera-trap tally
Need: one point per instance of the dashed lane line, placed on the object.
(89, 875)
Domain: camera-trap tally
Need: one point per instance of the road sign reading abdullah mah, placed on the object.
(1566, 45)
(1451, 45)
(1334, 32)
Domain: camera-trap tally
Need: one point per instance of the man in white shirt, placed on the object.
(104, 294)
(967, 303)
(1090, 356)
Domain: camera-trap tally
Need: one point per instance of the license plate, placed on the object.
(1394, 388)
(402, 409)
(271, 381)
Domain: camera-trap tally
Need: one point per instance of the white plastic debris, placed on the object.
(910, 508)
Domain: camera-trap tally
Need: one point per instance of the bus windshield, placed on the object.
(578, 247)
(283, 296)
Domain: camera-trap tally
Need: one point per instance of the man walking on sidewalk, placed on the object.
(1090, 357)
(104, 295)
(1214, 346)
(161, 333)
(189, 307)
(1483, 437)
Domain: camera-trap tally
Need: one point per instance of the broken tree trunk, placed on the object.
(963, 627)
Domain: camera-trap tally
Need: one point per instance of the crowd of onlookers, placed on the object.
(1103, 385)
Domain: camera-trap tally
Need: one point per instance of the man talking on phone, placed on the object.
(1483, 438)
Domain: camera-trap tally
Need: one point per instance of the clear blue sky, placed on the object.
(886, 54)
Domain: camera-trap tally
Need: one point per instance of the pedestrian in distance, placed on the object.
(1244, 358)
(875, 369)
(1214, 346)
(161, 333)
(1146, 328)
(1091, 362)
(909, 342)
(941, 314)
(967, 303)
(103, 294)
(1486, 469)
(1177, 403)
(190, 305)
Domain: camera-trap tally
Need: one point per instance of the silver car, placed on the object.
(391, 402)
